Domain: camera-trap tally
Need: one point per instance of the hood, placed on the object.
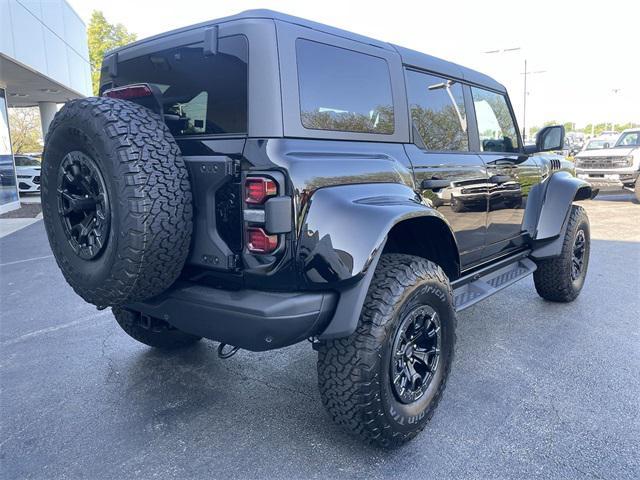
(28, 170)
(606, 152)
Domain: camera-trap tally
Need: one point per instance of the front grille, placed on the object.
(603, 162)
(36, 179)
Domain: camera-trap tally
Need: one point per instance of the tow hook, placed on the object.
(227, 351)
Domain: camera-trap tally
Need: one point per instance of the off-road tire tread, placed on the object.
(154, 189)
(552, 278)
(348, 367)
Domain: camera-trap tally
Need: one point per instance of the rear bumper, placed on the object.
(249, 319)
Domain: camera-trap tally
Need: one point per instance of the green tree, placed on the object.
(25, 128)
(102, 37)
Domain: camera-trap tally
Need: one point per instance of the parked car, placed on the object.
(261, 200)
(613, 169)
(28, 173)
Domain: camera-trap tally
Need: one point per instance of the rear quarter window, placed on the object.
(343, 90)
(201, 94)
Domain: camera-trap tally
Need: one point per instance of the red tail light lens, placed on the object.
(258, 189)
(130, 91)
(259, 241)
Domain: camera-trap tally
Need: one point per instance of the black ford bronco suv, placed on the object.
(260, 180)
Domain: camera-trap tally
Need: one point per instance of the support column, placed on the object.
(47, 112)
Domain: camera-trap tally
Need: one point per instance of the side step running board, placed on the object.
(470, 290)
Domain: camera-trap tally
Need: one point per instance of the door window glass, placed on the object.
(343, 90)
(629, 139)
(437, 111)
(495, 124)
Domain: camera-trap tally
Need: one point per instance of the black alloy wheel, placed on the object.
(416, 354)
(83, 204)
(577, 258)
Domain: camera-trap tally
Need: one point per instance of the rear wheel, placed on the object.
(385, 380)
(560, 279)
(636, 189)
(152, 331)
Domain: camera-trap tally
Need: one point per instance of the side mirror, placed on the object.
(550, 138)
(606, 145)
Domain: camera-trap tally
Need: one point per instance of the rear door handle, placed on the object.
(499, 179)
(434, 184)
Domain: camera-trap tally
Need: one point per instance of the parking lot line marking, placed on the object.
(55, 328)
(26, 260)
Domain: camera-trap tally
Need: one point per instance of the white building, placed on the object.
(44, 61)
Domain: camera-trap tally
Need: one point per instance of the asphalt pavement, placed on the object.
(537, 390)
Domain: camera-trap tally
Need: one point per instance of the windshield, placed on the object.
(26, 162)
(630, 139)
(596, 144)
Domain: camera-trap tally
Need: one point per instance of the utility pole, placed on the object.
(615, 92)
(524, 105)
(526, 73)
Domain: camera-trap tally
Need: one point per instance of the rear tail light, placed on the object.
(258, 189)
(129, 91)
(259, 241)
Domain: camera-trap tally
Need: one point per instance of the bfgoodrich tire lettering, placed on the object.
(149, 197)
(354, 373)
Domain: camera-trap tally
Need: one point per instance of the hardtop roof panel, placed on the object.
(409, 57)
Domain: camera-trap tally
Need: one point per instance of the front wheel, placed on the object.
(456, 204)
(560, 279)
(385, 380)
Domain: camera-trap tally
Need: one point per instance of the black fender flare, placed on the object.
(553, 199)
(342, 237)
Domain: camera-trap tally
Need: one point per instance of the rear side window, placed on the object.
(343, 90)
(437, 111)
(496, 127)
(201, 94)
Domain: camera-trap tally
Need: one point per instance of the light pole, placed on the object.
(524, 100)
(525, 73)
(615, 92)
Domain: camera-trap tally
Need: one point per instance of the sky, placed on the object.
(585, 54)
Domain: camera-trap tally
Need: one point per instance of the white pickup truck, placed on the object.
(614, 168)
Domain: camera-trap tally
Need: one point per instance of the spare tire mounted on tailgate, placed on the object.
(116, 200)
